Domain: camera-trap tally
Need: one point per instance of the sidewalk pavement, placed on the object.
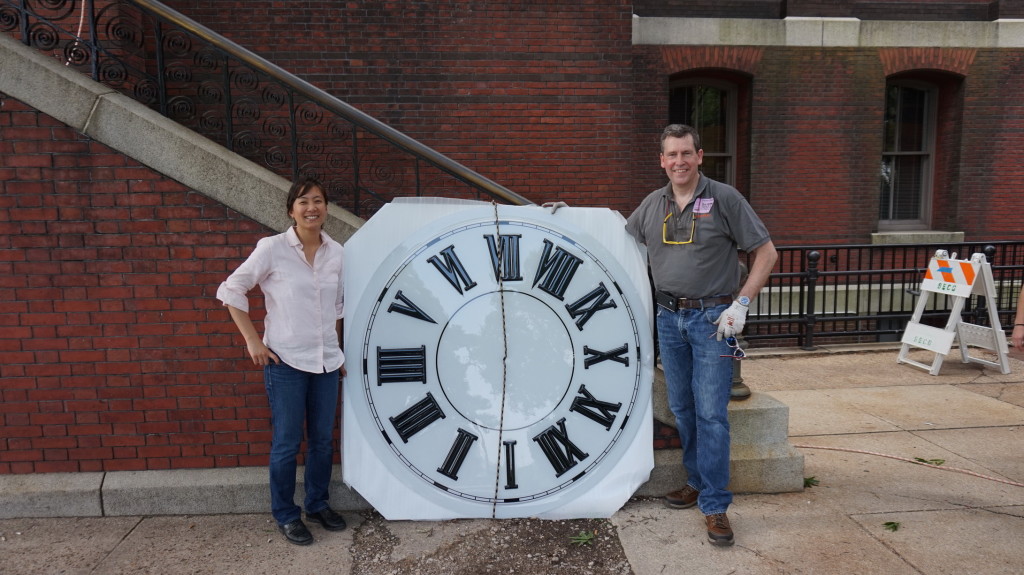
(851, 410)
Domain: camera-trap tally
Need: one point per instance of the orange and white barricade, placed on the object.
(958, 279)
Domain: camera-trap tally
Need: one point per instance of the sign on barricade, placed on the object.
(958, 279)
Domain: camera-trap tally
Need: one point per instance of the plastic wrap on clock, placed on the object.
(500, 361)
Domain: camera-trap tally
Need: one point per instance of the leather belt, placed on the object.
(672, 303)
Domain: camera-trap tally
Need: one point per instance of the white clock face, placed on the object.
(500, 362)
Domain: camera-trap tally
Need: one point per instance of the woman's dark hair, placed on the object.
(300, 187)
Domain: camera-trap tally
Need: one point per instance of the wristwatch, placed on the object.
(743, 300)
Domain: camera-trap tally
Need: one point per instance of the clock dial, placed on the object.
(503, 362)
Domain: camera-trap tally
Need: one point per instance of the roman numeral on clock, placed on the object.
(584, 308)
(457, 454)
(453, 270)
(401, 364)
(406, 307)
(602, 412)
(416, 418)
(556, 270)
(510, 464)
(599, 356)
(505, 257)
(562, 453)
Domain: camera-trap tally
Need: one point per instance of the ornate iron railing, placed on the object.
(228, 94)
(867, 293)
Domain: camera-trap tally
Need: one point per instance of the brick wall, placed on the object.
(815, 129)
(991, 171)
(534, 95)
(817, 136)
(553, 101)
(116, 355)
(763, 9)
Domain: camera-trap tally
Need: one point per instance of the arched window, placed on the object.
(710, 106)
(908, 153)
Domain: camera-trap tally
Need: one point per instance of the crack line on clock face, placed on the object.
(504, 364)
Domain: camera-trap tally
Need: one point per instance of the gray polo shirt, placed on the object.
(721, 220)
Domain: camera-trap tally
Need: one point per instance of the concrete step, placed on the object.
(761, 459)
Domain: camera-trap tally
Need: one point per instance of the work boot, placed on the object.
(719, 532)
(685, 498)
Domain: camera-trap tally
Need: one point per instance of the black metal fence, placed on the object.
(228, 94)
(867, 293)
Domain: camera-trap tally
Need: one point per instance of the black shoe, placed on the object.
(328, 518)
(296, 532)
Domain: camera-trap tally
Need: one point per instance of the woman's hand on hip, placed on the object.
(261, 354)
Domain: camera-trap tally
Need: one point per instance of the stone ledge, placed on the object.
(51, 495)
(826, 32)
(163, 492)
(773, 468)
(761, 458)
(207, 491)
(917, 237)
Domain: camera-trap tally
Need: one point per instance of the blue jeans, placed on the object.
(699, 382)
(300, 400)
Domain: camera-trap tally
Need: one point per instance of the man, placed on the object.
(692, 228)
(1017, 337)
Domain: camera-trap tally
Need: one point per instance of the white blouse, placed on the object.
(303, 301)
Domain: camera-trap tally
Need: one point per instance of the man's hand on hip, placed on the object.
(731, 322)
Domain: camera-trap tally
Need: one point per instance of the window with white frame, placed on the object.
(908, 151)
(709, 105)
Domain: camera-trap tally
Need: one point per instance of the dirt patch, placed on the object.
(486, 547)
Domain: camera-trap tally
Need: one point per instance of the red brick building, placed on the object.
(843, 122)
(795, 98)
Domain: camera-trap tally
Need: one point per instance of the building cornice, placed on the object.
(826, 32)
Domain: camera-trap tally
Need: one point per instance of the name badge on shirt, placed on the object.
(703, 205)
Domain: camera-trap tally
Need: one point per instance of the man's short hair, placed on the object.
(680, 131)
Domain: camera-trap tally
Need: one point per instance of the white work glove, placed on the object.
(730, 323)
(553, 206)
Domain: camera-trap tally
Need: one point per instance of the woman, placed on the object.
(299, 273)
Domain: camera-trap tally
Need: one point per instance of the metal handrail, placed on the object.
(300, 87)
(365, 121)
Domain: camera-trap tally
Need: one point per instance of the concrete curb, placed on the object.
(158, 492)
(51, 495)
